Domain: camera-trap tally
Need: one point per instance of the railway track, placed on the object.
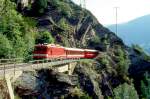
(33, 65)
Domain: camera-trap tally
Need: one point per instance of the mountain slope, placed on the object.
(62, 22)
(135, 32)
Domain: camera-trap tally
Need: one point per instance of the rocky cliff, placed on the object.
(66, 20)
(73, 26)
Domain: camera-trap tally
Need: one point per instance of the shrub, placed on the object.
(104, 61)
(137, 49)
(44, 37)
(95, 40)
(5, 47)
(79, 94)
(18, 32)
(122, 61)
(125, 91)
(62, 7)
(145, 86)
(39, 6)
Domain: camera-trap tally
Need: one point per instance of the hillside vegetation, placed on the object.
(110, 75)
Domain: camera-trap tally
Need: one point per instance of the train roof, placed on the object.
(91, 50)
(49, 45)
(73, 49)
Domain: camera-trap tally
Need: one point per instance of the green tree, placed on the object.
(125, 91)
(137, 49)
(95, 40)
(145, 86)
(63, 7)
(19, 31)
(5, 47)
(44, 37)
(40, 6)
(122, 61)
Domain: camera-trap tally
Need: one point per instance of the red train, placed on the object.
(52, 51)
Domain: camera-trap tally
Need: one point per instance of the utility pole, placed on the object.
(83, 3)
(116, 18)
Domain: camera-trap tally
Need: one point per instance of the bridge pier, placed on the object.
(9, 87)
(71, 67)
(8, 78)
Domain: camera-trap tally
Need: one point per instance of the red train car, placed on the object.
(88, 53)
(52, 51)
(48, 51)
(74, 53)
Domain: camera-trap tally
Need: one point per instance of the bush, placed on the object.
(44, 37)
(125, 91)
(122, 61)
(104, 61)
(79, 94)
(17, 32)
(95, 40)
(5, 47)
(137, 49)
(39, 6)
(62, 7)
(145, 86)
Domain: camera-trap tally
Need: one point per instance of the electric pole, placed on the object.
(83, 3)
(116, 18)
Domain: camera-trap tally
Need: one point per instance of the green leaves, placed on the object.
(17, 33)
(125, 91)
(5, 47)
(44, 37)
(63, 7)
(40, 6)
(122, 61)
(145, 86)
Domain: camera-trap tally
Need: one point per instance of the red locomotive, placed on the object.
(52, 51)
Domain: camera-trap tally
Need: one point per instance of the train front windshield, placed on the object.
(39, 49)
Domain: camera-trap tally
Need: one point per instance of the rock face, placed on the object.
(78, 25)
(22, 4)
(45, 84)
(73, 26)
(89, 81)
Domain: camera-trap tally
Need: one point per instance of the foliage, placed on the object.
(18, 31)
(5, 49)
(122, 61)
(145, 86)
(79, 94)
(105, 39)
(4, 5)
(44, 37)
(125, 91)
(63, 23)
(40, 6)
(85, 96)
(137, 49)
(104, 61)
(141, 52)
(147, 57)
(95, 40)
(62, 7)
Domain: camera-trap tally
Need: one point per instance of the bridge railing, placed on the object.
(11, 61)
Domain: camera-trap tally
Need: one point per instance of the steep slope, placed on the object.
(70, 24)
(135, 32)
(73, 26)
